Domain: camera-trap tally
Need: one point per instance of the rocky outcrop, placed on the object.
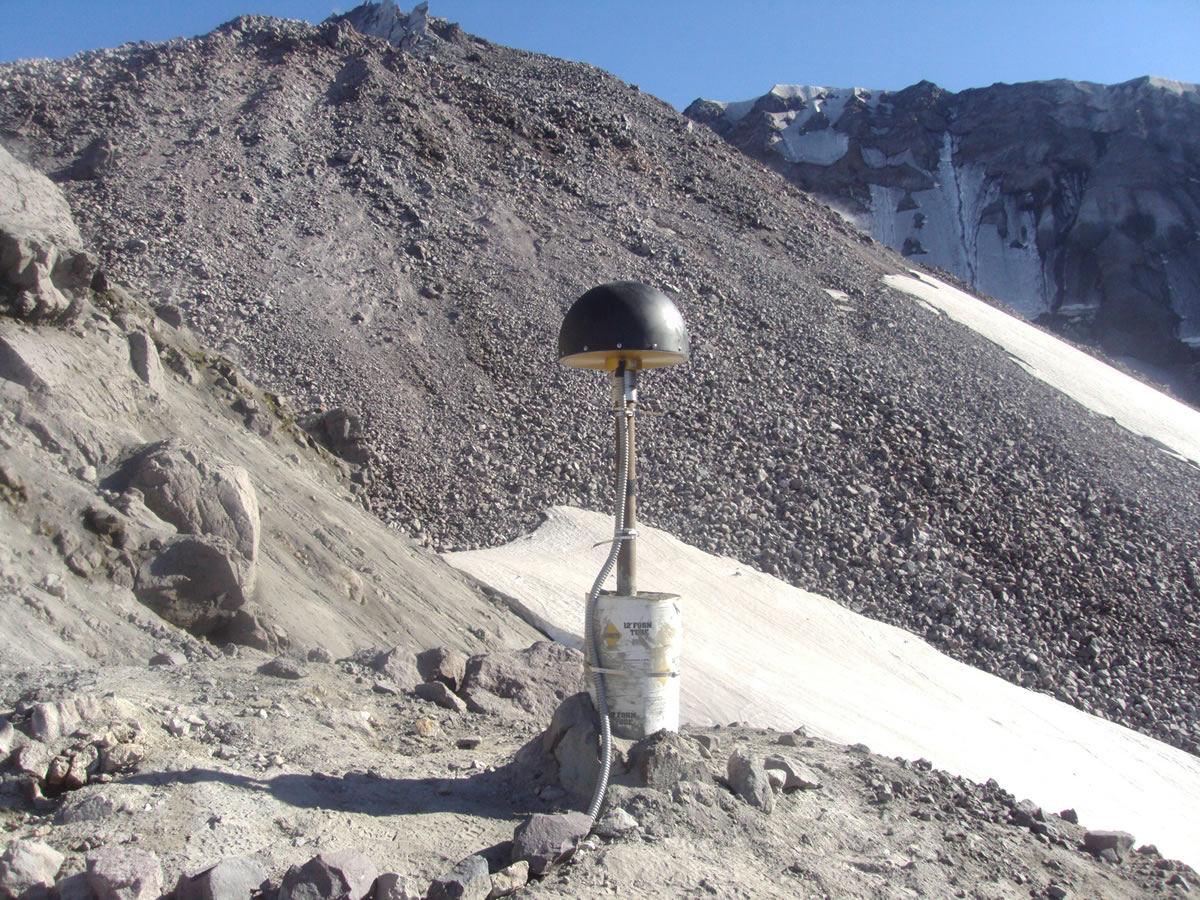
(1077, 204)
(196, 492)
(41, 255)
(386, 21)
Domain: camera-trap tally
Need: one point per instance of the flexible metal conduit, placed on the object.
(593, 642)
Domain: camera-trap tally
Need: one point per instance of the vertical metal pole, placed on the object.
(625, 382)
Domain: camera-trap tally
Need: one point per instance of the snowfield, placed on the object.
(759, 651)
(1172, 425)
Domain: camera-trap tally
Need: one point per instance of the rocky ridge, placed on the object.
(1074, 203)
(398, 233)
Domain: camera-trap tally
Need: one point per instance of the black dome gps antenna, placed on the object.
(631, 639)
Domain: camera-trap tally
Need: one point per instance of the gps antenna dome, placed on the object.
(623, 321)
(632, 639)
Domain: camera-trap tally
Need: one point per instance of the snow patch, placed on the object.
(1141, 409)
(761, 651)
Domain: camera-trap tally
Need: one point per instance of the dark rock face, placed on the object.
(1076, 204)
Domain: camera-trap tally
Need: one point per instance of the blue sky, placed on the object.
(722, 50)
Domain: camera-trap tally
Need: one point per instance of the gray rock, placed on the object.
(40, 247)
(437, 692)
(543, 840)
(94, 161)
(570, 747)
(31, 204)
(84, 763)
(74, 887)
(197, 493)
(123, 757)
(615, 823)
(27, 865)
(32, 758)
(169, 658)
(665, 758)
(91, 808)
(319, 655)
(509, 880)
(143, 356)
(339, 875)
(532, 681)
(7, 736)
(124, 874)
(396, 664)
(50, 721)
(197, 582)
(797, 776)
(749, 781)
(170, 313)
(341, 432)
(391, 886)
(1118, 843)
(284, 667)
(443, 664)
(468, 880)
(230, 879)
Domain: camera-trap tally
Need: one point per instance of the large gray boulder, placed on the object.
(124, 874)
(197, 493)
(228, 879)
(32, 205)
(27, 867)
(198, 582)
(41, 251)
(335, 875)
(529, 682)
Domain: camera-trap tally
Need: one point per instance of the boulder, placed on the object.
(1112, 844)
(143, 356)
(392, 886)
(749, 780)
(337, 875)
(543, 840)
(41, 251)
(124, 874)
(93, 162)
(197, 582)
(33, 205)
(231, 879)
(437, 692)
(443, 664)
(530, 682)
(196, 492)
(340, 431)
(665, 758)
(284, 667)
(570, 746)
(26, 867)
(796, 775)
(52, 720)
(468, 880)
(509, 880)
